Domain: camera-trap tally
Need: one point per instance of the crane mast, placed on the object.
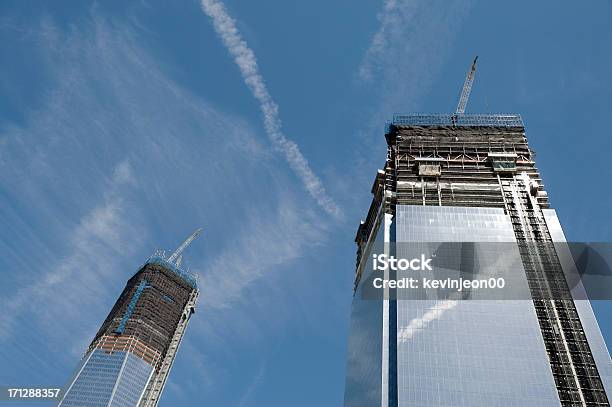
(467, 88)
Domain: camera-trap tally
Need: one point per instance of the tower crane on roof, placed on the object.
(177, 255)
(467, 88)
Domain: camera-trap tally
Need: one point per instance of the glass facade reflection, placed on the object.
(466, 353)
(116, 379)
(364, 363)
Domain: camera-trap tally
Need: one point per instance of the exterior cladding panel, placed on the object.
(115, 379)
(470, 352)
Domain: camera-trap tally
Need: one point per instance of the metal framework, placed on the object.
(467, 88)
(156, 385)
(455, 120)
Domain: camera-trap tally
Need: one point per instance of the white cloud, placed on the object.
(268, 240)
(225, 26)
(117, 161)
(412, 42)
(390, 21)
(123, 173)
(75, 281)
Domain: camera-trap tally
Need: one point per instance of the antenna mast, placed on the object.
(467, 88)
(177, 253)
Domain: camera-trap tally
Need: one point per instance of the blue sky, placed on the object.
(124, 126)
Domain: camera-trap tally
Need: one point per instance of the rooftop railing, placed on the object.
(466, 120)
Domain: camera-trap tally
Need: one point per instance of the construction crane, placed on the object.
(467, 88)
(177, 255)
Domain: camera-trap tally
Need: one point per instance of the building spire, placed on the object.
(177, 253)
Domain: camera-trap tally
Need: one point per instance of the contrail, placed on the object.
(390, 22)
(225, 26)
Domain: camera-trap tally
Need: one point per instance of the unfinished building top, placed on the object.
(185, 275)
(462, 120)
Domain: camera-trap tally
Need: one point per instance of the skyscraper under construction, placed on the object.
(470, 178)
(128, 361)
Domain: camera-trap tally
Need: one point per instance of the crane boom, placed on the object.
(184, 245)
(467, 88)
